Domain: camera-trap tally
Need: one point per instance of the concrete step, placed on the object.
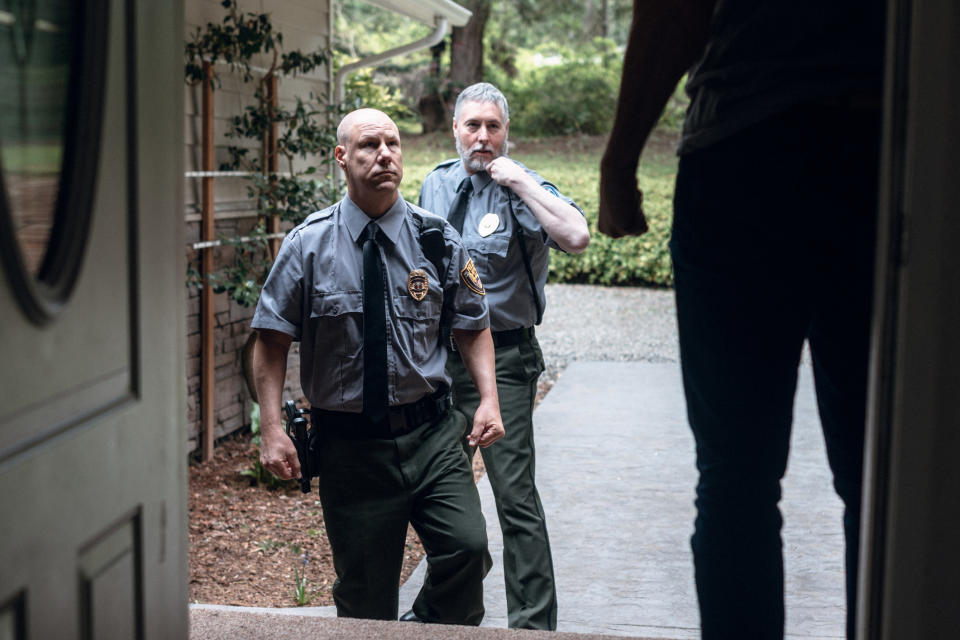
(244, 623)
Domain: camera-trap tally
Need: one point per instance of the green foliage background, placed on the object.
(573, 164)
(562, 82)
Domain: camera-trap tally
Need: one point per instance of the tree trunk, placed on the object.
(466, 49)
(433, 111)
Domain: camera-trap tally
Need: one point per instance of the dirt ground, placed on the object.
(250, 545)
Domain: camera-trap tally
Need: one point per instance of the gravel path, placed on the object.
(594, 323)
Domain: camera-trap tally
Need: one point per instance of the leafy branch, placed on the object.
(304, 140)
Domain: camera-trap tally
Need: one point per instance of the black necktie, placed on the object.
(374, 330)
(458, 210)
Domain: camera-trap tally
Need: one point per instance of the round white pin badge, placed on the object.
(488, 224)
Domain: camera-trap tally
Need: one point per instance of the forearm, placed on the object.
(666, 38)
(476, 348)
(562, 222)
(270, 370)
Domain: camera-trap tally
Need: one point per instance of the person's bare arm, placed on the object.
(476, 347)
(277, 453)
(562, 222)
(666, 38)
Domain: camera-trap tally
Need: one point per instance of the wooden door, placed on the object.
(92, 443)
(910, 558)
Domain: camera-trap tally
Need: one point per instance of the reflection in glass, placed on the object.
(36, 43)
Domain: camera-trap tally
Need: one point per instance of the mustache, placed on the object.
(481, 147)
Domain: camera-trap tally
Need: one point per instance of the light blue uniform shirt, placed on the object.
(315, 293)
(492, 241)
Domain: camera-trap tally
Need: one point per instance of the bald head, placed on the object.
(361, 117)
(368, 151)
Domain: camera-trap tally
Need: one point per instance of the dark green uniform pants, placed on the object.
(527, 564)
(370, 488)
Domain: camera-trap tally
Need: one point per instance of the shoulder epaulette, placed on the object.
(446, 163)
(316, 216)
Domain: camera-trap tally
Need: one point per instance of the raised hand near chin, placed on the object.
(505, 171)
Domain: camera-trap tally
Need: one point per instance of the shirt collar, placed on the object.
(356, 220)
(479, 180)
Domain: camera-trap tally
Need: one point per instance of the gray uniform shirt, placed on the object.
(492, 242)
(314, 293)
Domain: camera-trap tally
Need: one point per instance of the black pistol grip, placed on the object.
(303, 455)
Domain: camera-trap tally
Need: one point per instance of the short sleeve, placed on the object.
(280, 307)
(469, 298)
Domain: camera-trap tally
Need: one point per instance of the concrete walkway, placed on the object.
(615, 469)
(616, 474)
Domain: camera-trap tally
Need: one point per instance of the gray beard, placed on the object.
(478, 165)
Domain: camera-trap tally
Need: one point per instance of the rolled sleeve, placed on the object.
(280, 307)
(469, 306)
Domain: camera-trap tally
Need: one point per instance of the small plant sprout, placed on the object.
(301, 588)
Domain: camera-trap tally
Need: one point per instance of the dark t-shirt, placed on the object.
(765, 56)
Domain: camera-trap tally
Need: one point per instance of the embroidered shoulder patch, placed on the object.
(471, 278)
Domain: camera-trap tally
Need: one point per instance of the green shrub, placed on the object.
(361, 90)
(562, 91)
(625, 261)
(572, 98)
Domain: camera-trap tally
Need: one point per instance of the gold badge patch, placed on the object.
(418, 284)
(471, 278)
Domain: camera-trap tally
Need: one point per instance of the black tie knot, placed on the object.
(466, 186)
(370, 232)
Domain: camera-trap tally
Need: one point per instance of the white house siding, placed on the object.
(305, 25)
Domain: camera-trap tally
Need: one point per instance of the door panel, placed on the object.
(84, 355)
(92, 435)
(910, 562)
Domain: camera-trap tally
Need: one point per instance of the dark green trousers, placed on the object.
(371, 488)
(510, 462)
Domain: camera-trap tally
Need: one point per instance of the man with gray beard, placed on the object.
(509, 218)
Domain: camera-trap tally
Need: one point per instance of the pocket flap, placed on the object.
(335, 304)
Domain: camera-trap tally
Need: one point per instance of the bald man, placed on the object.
(356, 286)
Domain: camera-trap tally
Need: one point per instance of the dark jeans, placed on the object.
(773, 244)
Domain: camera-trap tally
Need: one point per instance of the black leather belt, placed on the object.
(402, 418)
(507, 338)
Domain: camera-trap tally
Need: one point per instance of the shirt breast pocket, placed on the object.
(336, 323)
(418, 325)
(489, 254)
